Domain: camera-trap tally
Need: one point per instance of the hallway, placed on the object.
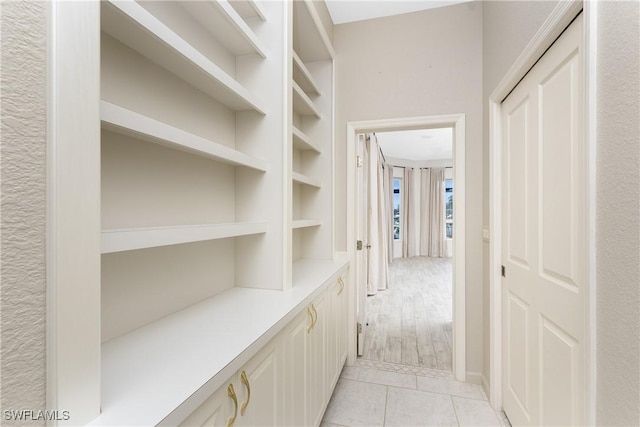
(386, 394)
(410, 323)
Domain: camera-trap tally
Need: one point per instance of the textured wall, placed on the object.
(507, 28)
(618, 215)
(22, 205)
(418, 64)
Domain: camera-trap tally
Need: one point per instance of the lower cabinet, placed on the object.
(317, 392)
(297, 369)
(290, 380)
(253, 396)
(215, 411)
(315, 351)
(337, 331)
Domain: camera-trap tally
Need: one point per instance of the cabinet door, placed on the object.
(318, 393)
(332, 335)
(260, 388)
(297, 381)
(342, 327)
(336, 332)
(215, 411)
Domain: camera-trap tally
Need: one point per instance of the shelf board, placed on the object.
(134, 26)
(302, 179)
(302, 104)
(248, 9)
(126, 122)
(141, 238)
(226, 25)
(310, 39)
(305, 223)
(302, 142)
(302, 76)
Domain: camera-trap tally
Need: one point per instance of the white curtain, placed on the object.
(425, 201)
(433, 241)
(388, 192)
(410, 226)
(378, 261)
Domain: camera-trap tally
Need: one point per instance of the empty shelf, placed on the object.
(226, 25)
(302, 104)
(140, 238)
(310, 39)
(302, 179)
(304, 223)
(134, 26)
(248, 9)
(127, 122)
(302, 75)
(302, 142)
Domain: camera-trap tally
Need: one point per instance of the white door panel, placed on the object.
(518, 184)
(544, 240)
(362, 255)
(261, 396)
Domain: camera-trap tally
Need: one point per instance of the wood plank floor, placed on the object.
(410, 323)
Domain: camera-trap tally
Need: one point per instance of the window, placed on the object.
(448, 197)
(397, 184)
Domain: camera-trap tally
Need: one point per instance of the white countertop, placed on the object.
(149, 374)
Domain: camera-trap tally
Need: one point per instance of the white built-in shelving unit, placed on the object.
(216, 189)
(312, 136)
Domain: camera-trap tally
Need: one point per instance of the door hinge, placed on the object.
(359, 327)
(359, 245)
(359, 161)
(504, 271)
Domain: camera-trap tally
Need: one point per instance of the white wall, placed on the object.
(618, 215)
(22, 206)
(507, 27)
(418, 64)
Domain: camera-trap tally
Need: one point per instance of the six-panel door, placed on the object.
(544, 248)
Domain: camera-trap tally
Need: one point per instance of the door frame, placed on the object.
(561, 16)
(457, 122)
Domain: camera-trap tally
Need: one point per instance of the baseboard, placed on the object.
(485, 385)
(474, 378)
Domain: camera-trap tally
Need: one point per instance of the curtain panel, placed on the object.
(423, 229)
(388, 191)
(378, 265)
(435, 222)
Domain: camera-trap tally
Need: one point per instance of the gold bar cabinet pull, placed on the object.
(313, 308)
(232, 395)
(245, 381)
(310, 313)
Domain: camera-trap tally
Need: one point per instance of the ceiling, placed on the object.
(423, 144)
(343, 11)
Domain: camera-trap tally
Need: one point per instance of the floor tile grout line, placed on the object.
(386, 400)
(455, 412)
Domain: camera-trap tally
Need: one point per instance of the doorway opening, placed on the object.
(408, 313)
(406, 250)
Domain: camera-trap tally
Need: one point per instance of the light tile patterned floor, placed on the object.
(386, 394)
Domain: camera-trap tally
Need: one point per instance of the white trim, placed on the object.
(591, 96)
(475, 378)
(556, 23)
(457, 121)
(73, 210)
(558, 20)
(485, 385)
